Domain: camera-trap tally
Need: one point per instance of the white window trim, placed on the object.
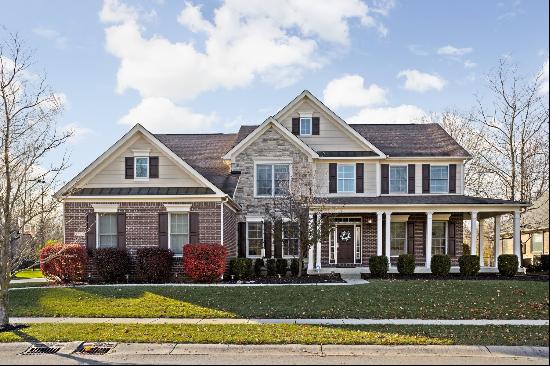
(105, 208)
(354, 177)
(170, 229)
(135, 170)
(406, 176)
(255, 220)
(272, 163)
(285, 220)
(178, 208)
(97, 228)
(446, 223)
(310, 119)
(532, 243)
(448, 169)
(406, 237)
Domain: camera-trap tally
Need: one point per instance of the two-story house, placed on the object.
(393, 189)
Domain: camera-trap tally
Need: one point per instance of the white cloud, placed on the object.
(404, 113)
(59, 40)
(454, 51)
(469, 64)
(420, 81)
(161, 115)
(78, 132)
(418, 50)
(544, 78)
(274, 41)
(349, 91)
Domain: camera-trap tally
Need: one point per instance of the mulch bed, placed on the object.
(289, 280)
(458, 276)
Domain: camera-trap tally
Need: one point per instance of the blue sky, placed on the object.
(190, 66)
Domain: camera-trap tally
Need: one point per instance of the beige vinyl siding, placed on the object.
(331, 138)
(111, 174)
(322, 177)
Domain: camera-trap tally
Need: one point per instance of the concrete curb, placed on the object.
(447, 322)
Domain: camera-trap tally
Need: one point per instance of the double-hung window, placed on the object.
(179, 232)
(141, 167)
(537, 242)
(106, 230)
(255, 238)
(398, 238)
(398, 179)
(272, 179)
(290, 239)
(439, 237)
(346, 178)
(305, 125)
(439, 179)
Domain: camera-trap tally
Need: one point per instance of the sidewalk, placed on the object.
(164, 353)
(518, 322)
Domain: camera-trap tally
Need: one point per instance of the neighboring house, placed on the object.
(534, 231)
(394, 188)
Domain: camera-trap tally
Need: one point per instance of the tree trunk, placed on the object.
(4, 303)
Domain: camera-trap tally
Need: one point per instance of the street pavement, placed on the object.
(132, 353)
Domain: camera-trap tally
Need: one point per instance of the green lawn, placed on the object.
(29, 273)
(379, 299)
(281, 334)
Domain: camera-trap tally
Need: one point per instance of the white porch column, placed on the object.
(498, 245)
(318, 249)
(517, 234)
(473, 233)
(379, 233)
(429, 216)
(481, 244)
(388, 234)
(310, 259)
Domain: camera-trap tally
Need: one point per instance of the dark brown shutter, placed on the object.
(411, 170)
(163, 230)
(242, 239)
(424, 239)
(451, 228)
(425, 178)
(359, 178)
(332, 178)
(384, 237)
(267, 239)
(90, 231)
(129, 168)
(121, 230)
(278, 239)
(385, 181)
(410, 237)
(296, 126)
(315, 126)
(452, 178)
(154, 167)
(194, 228)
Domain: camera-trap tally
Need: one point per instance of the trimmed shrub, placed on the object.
(378, 265)
(295, 267)
(64, 263)
(204, 262)
(469, 265)
(406, 264)
(112, 264)
(508, 264)
(440, 265)
(241, 268)
(271, 266)
(154, 265)
(544, 262)
(258, 265)
(282, 266)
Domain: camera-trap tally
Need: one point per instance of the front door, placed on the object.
(345, 236)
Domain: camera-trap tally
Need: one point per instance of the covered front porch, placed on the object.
(361, 231)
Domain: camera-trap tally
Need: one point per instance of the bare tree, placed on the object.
(296, 213)
(28, 167)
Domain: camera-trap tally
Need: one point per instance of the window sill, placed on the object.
(141, 179)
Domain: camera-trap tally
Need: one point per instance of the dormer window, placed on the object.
(305, 125)
(141, 168)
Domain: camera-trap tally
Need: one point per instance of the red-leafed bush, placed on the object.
(64, 263)
(154, 265)
(112, 264)
(204, 262)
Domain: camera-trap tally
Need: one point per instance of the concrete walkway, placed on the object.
(517, 322)
(169, 353)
